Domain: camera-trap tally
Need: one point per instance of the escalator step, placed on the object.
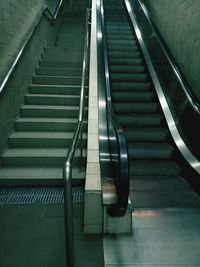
(121, 42)
(128, 86)
(117, 18)
(150, 151)
(130, 108)
(113, 28)
(122, 54)
(113, 37)
(127, 69)
(119, 23)
(126, 61)
(146, 134)
(121, 77)
(134, 96)
(126, 48)
(119, 32)
(140, 120)
(154, 167)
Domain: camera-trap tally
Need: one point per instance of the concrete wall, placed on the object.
(16, 18)
(179, 24)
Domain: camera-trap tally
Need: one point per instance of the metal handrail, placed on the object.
(67, 170)
(184, 84)
(122, 175)
(52, 17)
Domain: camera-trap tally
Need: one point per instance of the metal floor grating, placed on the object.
(38, 195)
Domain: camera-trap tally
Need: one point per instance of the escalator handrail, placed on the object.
(67, 169)
(52, 17)
(122, 184)
(184, 84)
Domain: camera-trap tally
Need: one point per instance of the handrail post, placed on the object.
(69, 233)
(81, 147)
(67, 170)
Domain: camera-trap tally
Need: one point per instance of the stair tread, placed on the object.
(56, 76)
(38, 173)
(38, 152)
(33, 135)
(53, 95)
(53, 120)
(56, 85)
(49, 107)
(59, 68)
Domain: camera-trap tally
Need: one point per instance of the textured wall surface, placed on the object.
(179, 23)
(16, 18)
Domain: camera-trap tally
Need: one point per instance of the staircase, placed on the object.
(47, 119)
(154, 172)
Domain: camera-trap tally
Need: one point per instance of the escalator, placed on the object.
(154, 169)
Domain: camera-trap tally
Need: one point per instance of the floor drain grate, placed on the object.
(38, 195)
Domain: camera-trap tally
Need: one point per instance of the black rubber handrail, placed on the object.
(52, 17)
(116, 137)
(183, 82)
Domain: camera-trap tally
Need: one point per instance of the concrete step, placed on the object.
(46, 157)
(49, 111)
(56, 80)
(62, 56)
(59, 71)
(59, 50)
(43, 139)
(52, 99)
(18, 176)
(60, 64)
(47, 124)
(55, 89)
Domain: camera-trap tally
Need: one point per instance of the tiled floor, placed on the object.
(33, 235)
(161, 237)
